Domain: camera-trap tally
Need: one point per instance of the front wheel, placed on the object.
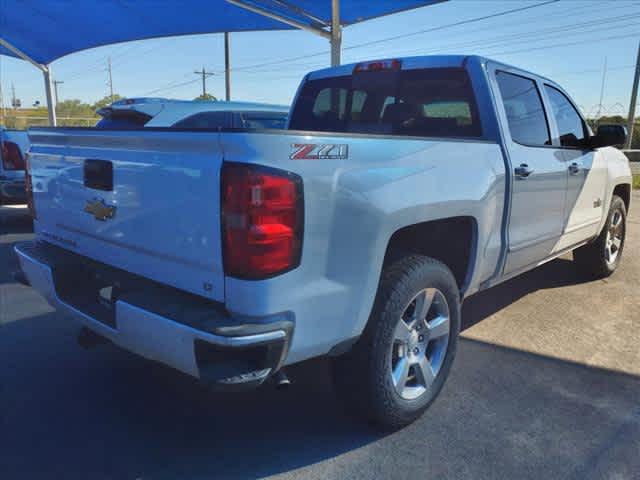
(399, 365)
(600, 258)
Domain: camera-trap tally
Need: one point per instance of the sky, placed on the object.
(569, 41)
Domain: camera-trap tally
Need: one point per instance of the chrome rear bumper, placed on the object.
(229, 354)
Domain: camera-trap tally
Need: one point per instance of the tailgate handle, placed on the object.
(98, 174)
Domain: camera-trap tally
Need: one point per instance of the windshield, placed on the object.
(426, 102)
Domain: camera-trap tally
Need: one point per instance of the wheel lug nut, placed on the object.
(421, 338)
(416, 350)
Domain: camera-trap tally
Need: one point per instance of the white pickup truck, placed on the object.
(400, 187)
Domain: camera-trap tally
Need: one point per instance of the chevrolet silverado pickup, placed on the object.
(399, 188)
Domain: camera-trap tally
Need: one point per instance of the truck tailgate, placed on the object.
(160, 218)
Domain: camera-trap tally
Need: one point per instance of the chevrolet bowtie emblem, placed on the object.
(100, 210)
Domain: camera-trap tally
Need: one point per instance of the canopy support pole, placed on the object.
(51, 100)
(633, 102)
(227, 72)
(336, 33)
(48, 81)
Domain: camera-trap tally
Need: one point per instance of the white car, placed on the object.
(163, 112)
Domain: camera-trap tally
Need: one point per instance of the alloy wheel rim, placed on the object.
(420, 343)
(615, 238)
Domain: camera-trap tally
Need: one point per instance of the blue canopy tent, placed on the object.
(41, 31)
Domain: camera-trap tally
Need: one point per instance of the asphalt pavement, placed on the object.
(546, 386)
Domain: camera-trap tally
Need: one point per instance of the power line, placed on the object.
(450, 25)
(493, 42)
(542, 47)
(151, 92)
(529, 36)
(388, 39)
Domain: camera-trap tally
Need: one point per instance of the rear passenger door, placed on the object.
(539, 174)
(586, 168)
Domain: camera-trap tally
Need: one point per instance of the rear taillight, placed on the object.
(28, 184)
(262, 220)
(11, 156)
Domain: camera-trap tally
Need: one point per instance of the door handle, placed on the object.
(523, 171)
(574, 168)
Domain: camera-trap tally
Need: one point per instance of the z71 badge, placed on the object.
(311, 151)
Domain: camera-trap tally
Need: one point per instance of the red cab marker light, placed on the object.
(378, 66)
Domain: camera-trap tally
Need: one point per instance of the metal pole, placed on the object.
(110, 80)
(51, 104)
(604, 76)
(204, 84)
(634, 101)
(55, 88)
(227, 72)
(336, 33)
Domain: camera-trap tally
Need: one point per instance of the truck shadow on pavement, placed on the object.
(504, 413)
(107, 414)
(558, 273)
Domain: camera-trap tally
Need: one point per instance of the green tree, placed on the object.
(207, 97)
(106, 101)
(74, 108)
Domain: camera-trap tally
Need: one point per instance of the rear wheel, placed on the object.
(601, 258)
(403, 358)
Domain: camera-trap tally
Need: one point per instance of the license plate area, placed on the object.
(86, 291)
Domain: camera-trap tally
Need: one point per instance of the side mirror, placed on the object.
(609, 135)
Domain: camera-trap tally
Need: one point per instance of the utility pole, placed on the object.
(604, 76)
(55, 88)
(227, 73)
(204, 74)
(634, 101)
(14, 103)
(110, 78)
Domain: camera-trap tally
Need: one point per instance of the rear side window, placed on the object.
(122, 119)
(525, 112)
(430, 102)
(572, 130)
(262, 120)
(205, 120)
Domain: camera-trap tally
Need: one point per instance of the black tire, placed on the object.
(592, 258)
(362, 376)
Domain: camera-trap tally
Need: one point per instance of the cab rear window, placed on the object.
(432, 102)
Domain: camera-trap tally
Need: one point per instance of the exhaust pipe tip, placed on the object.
(281, 380)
